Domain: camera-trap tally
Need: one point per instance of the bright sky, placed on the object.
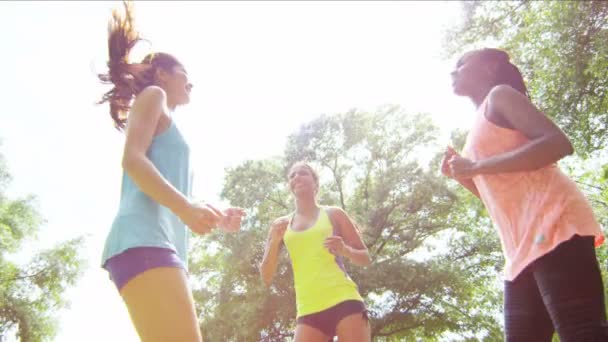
(260, 69)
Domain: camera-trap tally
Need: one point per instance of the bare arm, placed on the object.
(467, 183)
(349, 243)
(145, 115)
(547, 144)
(268, 267)
(143, 120)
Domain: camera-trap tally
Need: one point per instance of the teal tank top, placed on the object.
(141, 221)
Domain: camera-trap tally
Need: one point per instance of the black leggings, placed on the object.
(561, 291)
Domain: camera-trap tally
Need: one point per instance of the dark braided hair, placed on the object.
(507, 73)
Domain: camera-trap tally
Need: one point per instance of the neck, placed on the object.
(306, 206)
(170, 102)
(479, 96)
(171, 105)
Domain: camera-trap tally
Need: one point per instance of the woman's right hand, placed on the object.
(268, 267)
(200, 219)
(446, 170)
(445, 165)
(277, 229)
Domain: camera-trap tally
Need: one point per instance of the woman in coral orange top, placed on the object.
(546, 226)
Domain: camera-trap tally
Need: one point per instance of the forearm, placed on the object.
(149, 180)
(531, 156)
(359, 257)
(269, 263)
(468, 184)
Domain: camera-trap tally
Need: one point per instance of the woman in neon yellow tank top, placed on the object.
(317, 239)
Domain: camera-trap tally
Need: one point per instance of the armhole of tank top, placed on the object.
(334, 226)
(166, 130)
(291, 216)
(288, 227)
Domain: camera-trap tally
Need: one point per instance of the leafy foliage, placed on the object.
(418, 287)
(32, 293)
(561, 48)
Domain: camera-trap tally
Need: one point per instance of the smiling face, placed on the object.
(303, 180)
(168, 73)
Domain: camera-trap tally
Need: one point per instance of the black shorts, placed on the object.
(328, 319)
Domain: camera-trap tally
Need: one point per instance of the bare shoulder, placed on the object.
(503, 94)
(334, 208)
(336, 212)
(152, 91)
(282, 219)
(148, 106)
(151, 95)
(505, 90)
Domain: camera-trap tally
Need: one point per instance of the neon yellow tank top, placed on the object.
(320, 278)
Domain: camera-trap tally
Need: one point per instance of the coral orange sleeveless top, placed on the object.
(533, 211)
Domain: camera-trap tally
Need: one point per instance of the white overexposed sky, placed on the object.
(260, 69)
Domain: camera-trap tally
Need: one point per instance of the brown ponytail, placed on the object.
(128, 79)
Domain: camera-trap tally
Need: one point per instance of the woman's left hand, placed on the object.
(462, 167)
(336, 245)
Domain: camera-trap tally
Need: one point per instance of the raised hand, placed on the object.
(278, 228)
(200, 219)
(230, 219)
(462, 168)
(445, 166)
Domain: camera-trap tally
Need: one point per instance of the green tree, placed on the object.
(419, 286)
(561, 48)
(31, 294)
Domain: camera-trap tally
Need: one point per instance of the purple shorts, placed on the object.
(127, 265)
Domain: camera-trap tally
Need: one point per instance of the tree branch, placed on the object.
(28, 275)
(591, 185)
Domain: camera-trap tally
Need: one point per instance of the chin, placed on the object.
(301, 193)
(458, 91)
(185, 101)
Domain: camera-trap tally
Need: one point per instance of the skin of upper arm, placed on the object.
(521, 113)
(144, 116)
(348, 231)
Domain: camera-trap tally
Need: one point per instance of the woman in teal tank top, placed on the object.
(317, 238)
(145, 251)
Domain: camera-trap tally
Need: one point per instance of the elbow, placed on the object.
(569, 149)
(557, 146)
(359, 257)
(366, 261)
(565, 145)
(266, 279)
(129, 161)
